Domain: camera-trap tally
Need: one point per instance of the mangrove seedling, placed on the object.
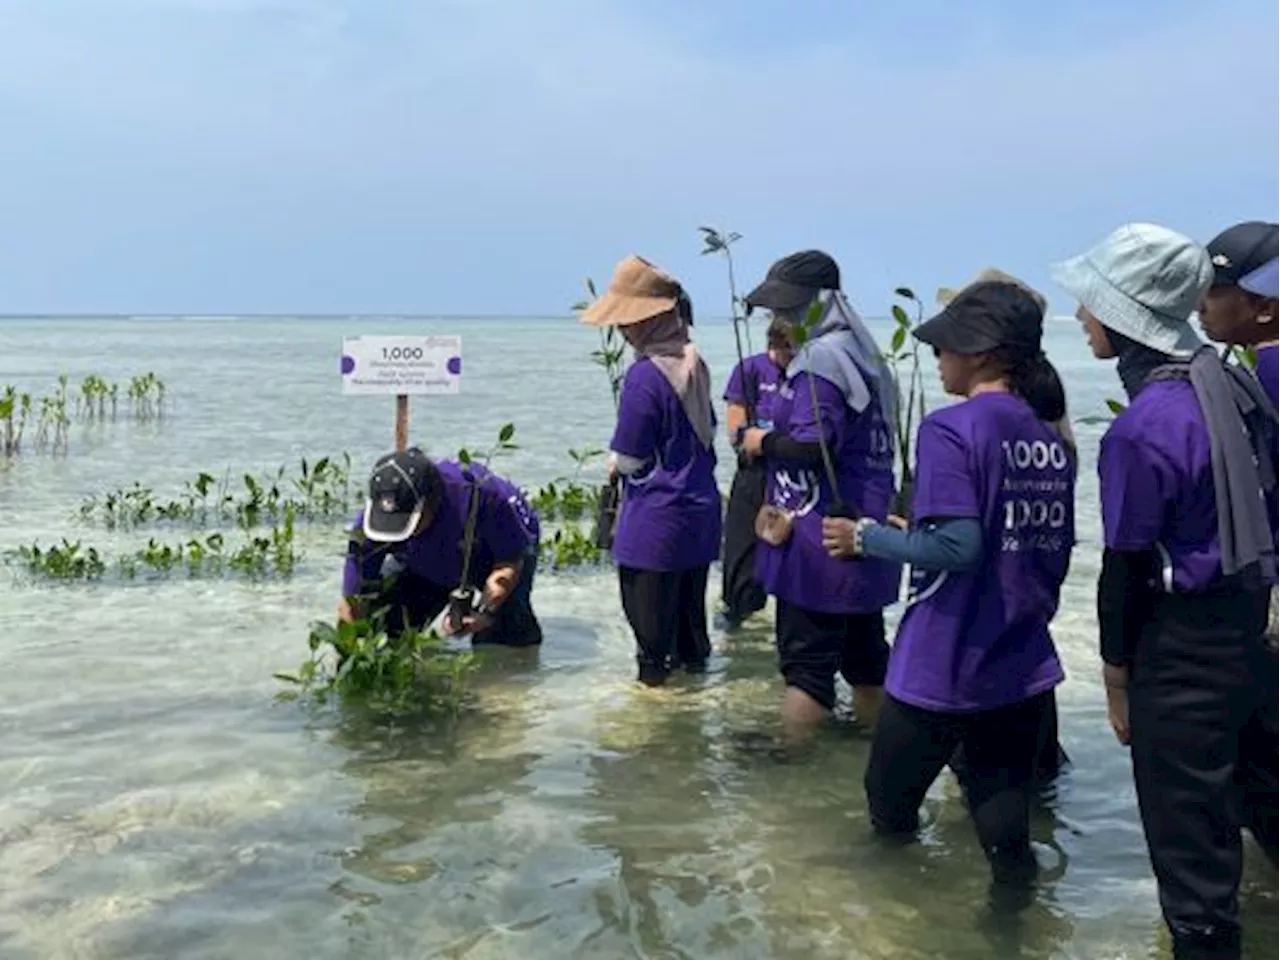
(715, 241)
(146, 396)
(462, 597)
(357, 662)
(94, 394)
(904, 351)
(322, 490)
(259, 557)
(15, 408)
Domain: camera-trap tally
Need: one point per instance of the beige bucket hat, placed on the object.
(991, 275)
(638, 291)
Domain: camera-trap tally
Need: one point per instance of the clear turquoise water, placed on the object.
(158, 803)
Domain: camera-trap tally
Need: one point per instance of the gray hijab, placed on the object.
(842, 351)
(1242, 446)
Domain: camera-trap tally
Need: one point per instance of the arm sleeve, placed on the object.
(1124, 602)
(953, 545)
(779, 446)
(639, 419)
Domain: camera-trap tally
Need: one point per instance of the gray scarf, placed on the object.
(842, 351)
(1242, 441)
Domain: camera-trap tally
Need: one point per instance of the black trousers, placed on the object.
(911, 746)
(813, 646)
(415, 601)
(1202, 712)
(1051, 759)
(741, 593)
(667, 611)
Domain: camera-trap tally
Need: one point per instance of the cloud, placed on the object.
(599, 121)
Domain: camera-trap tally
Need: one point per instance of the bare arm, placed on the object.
(735, 419)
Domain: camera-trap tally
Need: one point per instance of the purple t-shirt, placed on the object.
(506, 529)
(670, 514)
(762, 375)
(980, 640)
(1157, 490)
(801, 571)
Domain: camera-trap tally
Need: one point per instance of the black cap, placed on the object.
(984, 317)
(793, 281)
(1240, 250)
(401, 487)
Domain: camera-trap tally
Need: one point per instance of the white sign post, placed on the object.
(401, 367)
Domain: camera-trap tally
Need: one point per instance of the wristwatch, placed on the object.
(858, 527)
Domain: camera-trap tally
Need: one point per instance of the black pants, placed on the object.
(417, 602)
(1202, 711)
(814, 646)
(910, 748)
(741, 593)
(667, 611)
(1051, 759)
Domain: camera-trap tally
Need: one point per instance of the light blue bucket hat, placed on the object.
(1143, 281)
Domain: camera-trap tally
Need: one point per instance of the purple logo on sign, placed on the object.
(454, 366)
(348, 364)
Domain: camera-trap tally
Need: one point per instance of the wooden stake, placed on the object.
(402, 422)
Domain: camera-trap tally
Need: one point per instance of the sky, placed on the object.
(484, 156)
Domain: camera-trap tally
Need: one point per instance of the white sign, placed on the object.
(394, 365)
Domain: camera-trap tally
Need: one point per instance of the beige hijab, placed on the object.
(664, 339)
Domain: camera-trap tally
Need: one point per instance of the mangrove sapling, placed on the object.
(358, 663)
(716, 242)
(904, 349)
(15, 408)
(259, 557)
(68, 560)
(462, 598)
(91, 404)
(323, 490)
(611, 358)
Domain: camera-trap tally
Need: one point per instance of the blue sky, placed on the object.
(483, 156)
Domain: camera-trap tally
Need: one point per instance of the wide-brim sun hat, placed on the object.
(1143, 281)
(639, 291)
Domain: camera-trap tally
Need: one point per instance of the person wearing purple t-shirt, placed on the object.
(1185, 472)
(669, 522)
(1242, 309)
(405, 554)
(828, 453)
(973, 665)
(751, 395)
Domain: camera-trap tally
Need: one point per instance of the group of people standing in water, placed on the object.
(1185, 601)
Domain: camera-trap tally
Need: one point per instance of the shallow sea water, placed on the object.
(156, 801)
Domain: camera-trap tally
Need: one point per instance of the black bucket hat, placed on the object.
(794, 281)
(984, 317)
(402, 486)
